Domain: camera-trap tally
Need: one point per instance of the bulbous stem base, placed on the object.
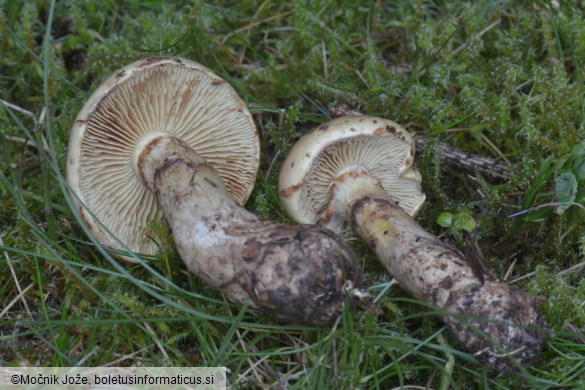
(298, 274)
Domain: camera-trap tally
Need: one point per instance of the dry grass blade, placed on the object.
(21, 292)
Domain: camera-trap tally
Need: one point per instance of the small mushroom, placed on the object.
(164, 139)
(357, 171)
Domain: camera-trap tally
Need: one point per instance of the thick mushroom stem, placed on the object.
(498, 324)
(298, 274)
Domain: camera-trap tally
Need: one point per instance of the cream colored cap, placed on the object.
(380, 146)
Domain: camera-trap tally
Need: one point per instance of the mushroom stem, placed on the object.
(299, 274)
(498, 324)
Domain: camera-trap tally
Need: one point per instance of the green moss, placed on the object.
(500, 78)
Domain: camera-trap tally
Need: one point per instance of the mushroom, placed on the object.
(357, 171)
(165, 139)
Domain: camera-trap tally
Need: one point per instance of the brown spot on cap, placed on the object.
(288, 191)
(390, 130)
(153, 60)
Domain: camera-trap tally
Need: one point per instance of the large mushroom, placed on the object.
(165, 139)
(357, 171)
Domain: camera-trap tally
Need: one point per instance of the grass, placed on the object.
(503, 79)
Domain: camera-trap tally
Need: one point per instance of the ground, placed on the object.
(501, 79)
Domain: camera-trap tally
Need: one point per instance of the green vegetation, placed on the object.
(504, 79)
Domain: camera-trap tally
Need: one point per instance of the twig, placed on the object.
(454, 157)
(468, 161)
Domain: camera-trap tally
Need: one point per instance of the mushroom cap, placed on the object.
(381, 147)
(152, 97)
